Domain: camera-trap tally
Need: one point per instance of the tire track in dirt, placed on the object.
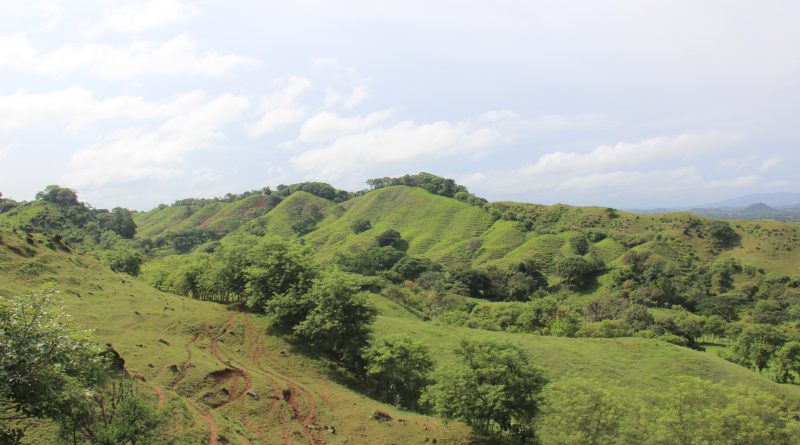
(185, 365)
(258, 351)
(294, 388)
(212, 428)
(160, 394)
(235, 394)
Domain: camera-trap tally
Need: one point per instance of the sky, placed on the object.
(627, 104)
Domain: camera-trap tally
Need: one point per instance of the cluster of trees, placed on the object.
(321, 189)
(247, 270)
(689, 410)
(760, 347)
(545, 316)
(432, 183)
(77, 223)
(49, 370)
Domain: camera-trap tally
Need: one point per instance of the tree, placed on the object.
(58, 195)
(410, 268)
(520, 286)
(333, 319)
(276, 267)
(122, 223)
(115, 414)
(360, 225)
(579, 245)
(696, 411)
(398, 369)
(787, 362)
(391, 238)
(637, 317)
(127, 261)
(579, 411)
(372, 260)
(493, 388)
(477, 283)
(49, 370)
(714, 327)
(574, 271)
(45, 365)
(721, 234)
(756, 345)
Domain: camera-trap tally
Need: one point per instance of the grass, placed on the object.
(639, 364)
(435, 227)
(155, 332)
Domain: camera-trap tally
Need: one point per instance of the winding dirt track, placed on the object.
(304, 414)
(160, 393)
(212, 428)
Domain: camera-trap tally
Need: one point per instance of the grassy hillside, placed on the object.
(451, 231)
(639, 364)
(218, 216)
(299, 212)
(223, 378)
(436, 227)
(647, 280)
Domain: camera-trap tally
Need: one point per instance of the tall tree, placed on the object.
(493, 387)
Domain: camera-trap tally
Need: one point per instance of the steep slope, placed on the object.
(436, 227)
(217, 216)
(297, 214)
(222, 377)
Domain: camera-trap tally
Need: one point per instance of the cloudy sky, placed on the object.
(618, 103)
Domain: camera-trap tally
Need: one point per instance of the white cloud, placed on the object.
(770, 163)
(619, 170)
(132, 154)
(358, 95)
(178, 56)
(281, 108)
(4, 151)
(399, 143)
(331, 64)
(628, 155)
(140, 16)
(76, 108)
(326, 126)
(204, 176)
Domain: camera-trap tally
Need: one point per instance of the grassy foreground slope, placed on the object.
(221, 376)
(639, 364)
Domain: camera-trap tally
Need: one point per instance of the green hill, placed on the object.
(451, 231)
(217, 370)
(648, 289)
(435, 227)
(217, 216)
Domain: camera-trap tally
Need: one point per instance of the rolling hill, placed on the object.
(225, 379)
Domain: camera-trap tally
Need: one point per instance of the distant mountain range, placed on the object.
(779, 206)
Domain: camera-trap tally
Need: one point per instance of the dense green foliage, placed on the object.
(333, 318)
(432, 183)
(493, 387)
(693, 411)
(49, 370)
(398, 369)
